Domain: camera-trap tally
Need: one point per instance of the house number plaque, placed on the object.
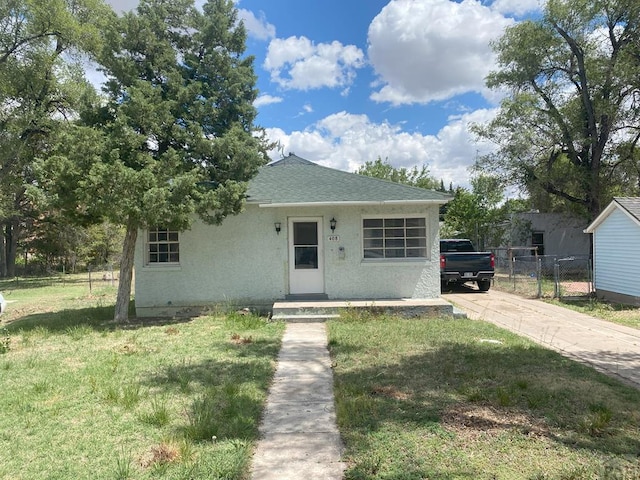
(334, 238)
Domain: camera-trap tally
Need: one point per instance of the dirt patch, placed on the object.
(390, 392)
(475, 420)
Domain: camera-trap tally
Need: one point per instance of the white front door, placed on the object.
(306, 262)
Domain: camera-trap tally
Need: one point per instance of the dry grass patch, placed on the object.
(472, 421)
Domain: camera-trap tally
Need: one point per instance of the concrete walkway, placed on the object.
(300, 439)
(610, 348)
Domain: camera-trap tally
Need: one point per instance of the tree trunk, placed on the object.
(11, 246)
(126, 274)
(3, 255)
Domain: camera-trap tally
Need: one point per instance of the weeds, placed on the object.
(124, 466)
(5, 341)
(159, 415)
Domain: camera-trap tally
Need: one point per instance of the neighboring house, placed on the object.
(307, 232)
(555, 234)
(616, 251)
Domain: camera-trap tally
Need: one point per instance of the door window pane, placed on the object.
(306, 258)
(305, 233)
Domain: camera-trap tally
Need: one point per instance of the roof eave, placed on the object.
(606, 212)
(348, 203)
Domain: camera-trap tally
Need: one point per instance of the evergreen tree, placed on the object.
(176, 136)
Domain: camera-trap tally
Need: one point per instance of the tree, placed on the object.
(176, 135)
(39, 89)
(480, 214)
(574, 80)
(416, 177)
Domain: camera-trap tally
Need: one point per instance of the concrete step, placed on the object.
(304, 317)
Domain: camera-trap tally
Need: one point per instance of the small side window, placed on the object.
(163, 246)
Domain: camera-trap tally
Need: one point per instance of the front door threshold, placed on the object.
(297, 297)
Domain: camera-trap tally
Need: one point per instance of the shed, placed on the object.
(616, 251)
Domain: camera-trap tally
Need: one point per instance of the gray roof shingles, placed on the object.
(294, 180)
(630, 204)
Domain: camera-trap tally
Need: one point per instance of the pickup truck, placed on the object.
(460, 263)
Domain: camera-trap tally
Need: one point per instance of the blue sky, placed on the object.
(343, 82)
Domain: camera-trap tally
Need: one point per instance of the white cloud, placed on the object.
(298, 63)
(346, 141)
(256, 27)
(428, 51)
(266, 99)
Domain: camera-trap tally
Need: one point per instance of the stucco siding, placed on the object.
(245, 262)
(616, 244)
(563, 234)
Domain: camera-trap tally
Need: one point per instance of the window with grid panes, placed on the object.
(394, 238)
(163, 246)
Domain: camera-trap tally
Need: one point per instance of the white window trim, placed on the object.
(399, 261)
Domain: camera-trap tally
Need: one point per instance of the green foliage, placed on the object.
(174, 135)
(41, 84)
(567, 133)
(416, 177)
(481, 215)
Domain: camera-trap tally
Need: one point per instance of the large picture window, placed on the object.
(163, 246)
(394, 237)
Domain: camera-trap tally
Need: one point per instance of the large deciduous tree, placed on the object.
(571, 122)
(176, 136)
(39, 89)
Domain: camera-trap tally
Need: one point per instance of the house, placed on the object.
(555, 234)
(616, 251)
(307, 231)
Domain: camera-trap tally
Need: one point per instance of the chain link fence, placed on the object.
(93, 277)
(520, 270)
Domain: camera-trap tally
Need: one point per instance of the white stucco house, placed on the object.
(616, 251)
(307, 232)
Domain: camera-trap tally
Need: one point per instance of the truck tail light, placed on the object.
(493, 261)
(443, 262)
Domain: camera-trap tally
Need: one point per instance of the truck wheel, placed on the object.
(484, 285)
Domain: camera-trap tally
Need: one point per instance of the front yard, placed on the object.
(83, 398)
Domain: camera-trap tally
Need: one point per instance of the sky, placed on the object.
(343, 82)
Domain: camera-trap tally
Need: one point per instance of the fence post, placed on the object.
(89, 268)
(556, 279)
(539, 276)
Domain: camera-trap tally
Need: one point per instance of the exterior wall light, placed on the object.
(332, 223)
(278, 227)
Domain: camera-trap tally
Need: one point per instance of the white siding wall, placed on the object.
(244, 262)
(616, 244)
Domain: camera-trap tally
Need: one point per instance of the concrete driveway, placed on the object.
(608, 347)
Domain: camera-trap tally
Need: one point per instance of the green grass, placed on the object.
(84, 398)
(462, 399)
(621, 314)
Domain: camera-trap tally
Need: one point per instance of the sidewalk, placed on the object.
(608, 347)
(300, 439)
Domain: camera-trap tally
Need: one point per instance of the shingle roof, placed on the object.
(629, 205)
(294, 180)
